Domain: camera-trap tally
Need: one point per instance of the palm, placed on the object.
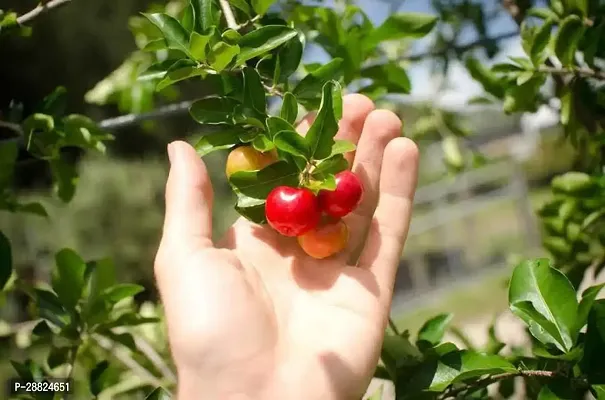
(254, 305)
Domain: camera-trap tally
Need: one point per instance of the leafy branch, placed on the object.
(40, 9)
(583, 72)
(228, 13)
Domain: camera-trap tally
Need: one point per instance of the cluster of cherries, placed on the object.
(315, 220)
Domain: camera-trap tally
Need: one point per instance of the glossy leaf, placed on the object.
(594, 343)
(226, 138)
(456, 366)
(391, 76)
(121, 291)
(222, 54)
(177, 37)
(399, 26)
(293, 143)
(241, 5)
(263, 40)
(398, 351)
(50, 307)
(570, 32)
(6, 260)
(277, 124)
(261, 6)
(320, 137)
(215, 110)
(545, 299)
(254, 92)
(342, 147)
(258, 184)
(55, 103)
(588, 298)
(128, 319)
(198, 45)
(432, 331)
(262, 143)
(312, 84)
(181, 70)
(68, 277)
(204, 18)
(65, 175)
(250, 208)
(540, 42)
(573, 183)
(155, 45)
(188, 18)
(289, 108)
(332, 165)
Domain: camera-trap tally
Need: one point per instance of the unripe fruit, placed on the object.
(292, 211)
(347, 196)
(247, 158)
(327, 239)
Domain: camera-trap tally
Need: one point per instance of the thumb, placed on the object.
(189, 196)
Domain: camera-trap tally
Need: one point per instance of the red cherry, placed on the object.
(347, 196)
(292, 211)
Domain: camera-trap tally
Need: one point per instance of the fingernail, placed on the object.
(171, 157)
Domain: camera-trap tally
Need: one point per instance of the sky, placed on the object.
(461, 87)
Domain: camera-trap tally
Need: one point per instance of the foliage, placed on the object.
(253, 64)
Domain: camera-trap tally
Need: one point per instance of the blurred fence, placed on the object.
(465, 227)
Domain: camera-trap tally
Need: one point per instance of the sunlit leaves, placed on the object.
(263, 40)
(289, 108)
(225, 137)
(568, 36)
(320, 136)
(215, 110)
(261, 6)
(309, 88)
(401, 25)
(258, 184)
(175, 34)
(68, 277)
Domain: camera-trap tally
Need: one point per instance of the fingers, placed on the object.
(380, 128)
(389, 226)
(189, 196)
(356, 109)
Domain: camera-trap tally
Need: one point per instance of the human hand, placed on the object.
(253, 316)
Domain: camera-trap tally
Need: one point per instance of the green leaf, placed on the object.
(293, 143)
(177, 37)
(204, 19)
(598, 391)
(254, 92)
(342, 147)
(544, 13)
(262, 143)
(545, 299)
(258, 184)
(57, 356)
(320, 137)
(121, 291)
(486, 77)
(68, 277)
(226, 138)
(328, 183)
(456, 366)
(29, 370)
(231, 36)
(6, 260)
(198, 45)
(433, 330)
(566, 42)
(594, 344)
(391, 76)
(398, 351)
(332, 165)
(155, 45)
(8, 156)
(50, 307)
(128, 319)
(263, 40)
(277, 124)
(159, 394)
(65, 175)
(289, 108)
(181, 70)
(241, 5)
(40, 136)
(188, 18)
(215, 110)
(312, 84)
(588, 298)
(525, 77)
(573, 183)
(399, 26)
(452, 153)
(261, 6)
(540, 42)
(251, 209)
(55, 103)
(222, 54)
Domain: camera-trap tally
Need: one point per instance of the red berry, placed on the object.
(347, 196)
(292, 211)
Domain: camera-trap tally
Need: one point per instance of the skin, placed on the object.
(247, 158)
(324, 241)
(254, 317)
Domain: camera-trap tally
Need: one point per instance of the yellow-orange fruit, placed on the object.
(247, 158)
(327, 239)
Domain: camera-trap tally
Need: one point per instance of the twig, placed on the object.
(128, 361)
(228, 13)
(40, 9)
(453, 392)
(12, 126)
(72, 363)
(393, 326)
(131, 119)
(583, 72)
(248, 23)
(154, 357)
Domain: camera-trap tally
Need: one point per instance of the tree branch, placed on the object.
(228, 13)
(583, 72)
(393, 327)
(154, 357)
(488, 380)
(40, 9)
